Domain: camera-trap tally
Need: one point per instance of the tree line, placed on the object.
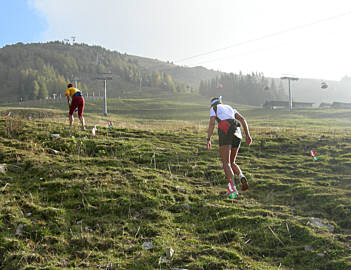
(39, 70)
(250, 89)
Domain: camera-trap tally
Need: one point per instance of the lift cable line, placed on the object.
(226, 57)
(267, 36)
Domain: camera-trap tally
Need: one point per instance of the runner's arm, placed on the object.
(211, 126)
(243, 122)
(69, 105)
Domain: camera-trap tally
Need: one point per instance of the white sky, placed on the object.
(171, 30)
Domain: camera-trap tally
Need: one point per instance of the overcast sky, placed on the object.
(175, 30)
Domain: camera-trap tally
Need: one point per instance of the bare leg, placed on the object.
(71, 120)
(235, 167)
(82, 121)
(224, 152)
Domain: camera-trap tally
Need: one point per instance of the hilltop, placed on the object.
(39, 70)
(77, 201)
(191, 76)
(42, 70)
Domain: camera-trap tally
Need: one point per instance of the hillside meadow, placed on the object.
(146, 194)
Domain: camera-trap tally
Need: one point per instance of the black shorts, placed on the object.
(229, 138)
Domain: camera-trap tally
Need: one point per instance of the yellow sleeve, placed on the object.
(67, 93)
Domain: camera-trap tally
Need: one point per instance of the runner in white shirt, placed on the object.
(229, 134)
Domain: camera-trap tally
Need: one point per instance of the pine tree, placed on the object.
(43, 90)
(35, 89)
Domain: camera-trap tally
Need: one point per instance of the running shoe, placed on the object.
(244, 184)
(232, 192)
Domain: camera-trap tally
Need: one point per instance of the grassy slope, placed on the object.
(100, 198)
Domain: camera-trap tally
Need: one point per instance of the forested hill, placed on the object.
(40, 70)
(250, 89)
(34, 71)
(191, 76)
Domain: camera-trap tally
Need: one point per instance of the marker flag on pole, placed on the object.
(93, 131)
(233, 193)
(313, 155)
(7, 114)
(220, 86)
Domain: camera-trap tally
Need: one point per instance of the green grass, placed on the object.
(193, 107)
(94, 203)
